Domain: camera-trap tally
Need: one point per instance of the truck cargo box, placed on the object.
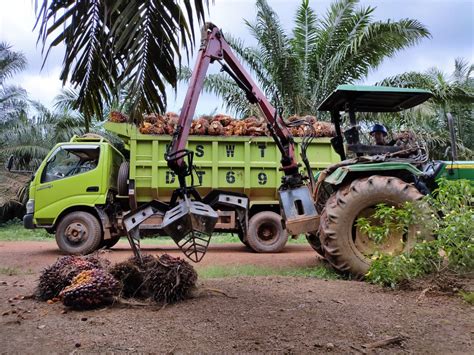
(243, 164)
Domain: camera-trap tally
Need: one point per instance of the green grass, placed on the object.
(467, 296)
(14, 231)
(14, 271)
(216, 271)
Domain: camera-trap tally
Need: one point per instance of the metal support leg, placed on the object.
(134, 239)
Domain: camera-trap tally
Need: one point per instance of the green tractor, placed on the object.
(375, 174)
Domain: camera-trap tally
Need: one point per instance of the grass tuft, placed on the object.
(14, 271)
(467, 296)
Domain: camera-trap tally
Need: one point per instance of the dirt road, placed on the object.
(265, 314)
(34, 256)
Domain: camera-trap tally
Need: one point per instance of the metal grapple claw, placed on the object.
(190, 224)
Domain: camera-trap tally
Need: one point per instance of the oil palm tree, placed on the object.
(299, 69)
(31, 135)
(452, 93)
(12, 97)
(119, 43)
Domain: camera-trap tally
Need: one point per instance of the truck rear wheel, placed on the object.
(345, 246)
(122, 178)
(79, 233)
(109, 243)
(265, 233)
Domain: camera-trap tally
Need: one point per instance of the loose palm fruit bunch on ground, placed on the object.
(131, 279)
(170, 279)
(59, 275)
(90, 289)
(131, 274)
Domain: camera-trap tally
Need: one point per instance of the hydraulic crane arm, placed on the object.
(188, 220)
(215, 48)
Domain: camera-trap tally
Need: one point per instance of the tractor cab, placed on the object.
(353, 100)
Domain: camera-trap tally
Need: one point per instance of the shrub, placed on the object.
(453, 246)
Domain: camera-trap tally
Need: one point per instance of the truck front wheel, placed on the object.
(265, 233)
(79, 233)
(345, 246)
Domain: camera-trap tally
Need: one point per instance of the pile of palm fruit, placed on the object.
(86, 282)
(224, 125)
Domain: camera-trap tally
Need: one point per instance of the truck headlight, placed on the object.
(30, 206)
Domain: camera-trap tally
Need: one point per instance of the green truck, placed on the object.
(83, 187)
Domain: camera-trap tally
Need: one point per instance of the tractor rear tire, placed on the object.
(265, 233)
(315, 242)
(346, 248)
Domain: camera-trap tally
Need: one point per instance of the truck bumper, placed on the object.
(28, 221)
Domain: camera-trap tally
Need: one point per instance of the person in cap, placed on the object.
(379, 133)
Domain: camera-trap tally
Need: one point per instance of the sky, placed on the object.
(451, 23)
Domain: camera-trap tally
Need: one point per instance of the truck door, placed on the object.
(71, 176)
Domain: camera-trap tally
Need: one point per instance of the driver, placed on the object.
(379, 133)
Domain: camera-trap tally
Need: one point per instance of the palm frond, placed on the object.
(110, 44)
(10, 62)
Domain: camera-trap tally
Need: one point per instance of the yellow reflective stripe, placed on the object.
(460, 166)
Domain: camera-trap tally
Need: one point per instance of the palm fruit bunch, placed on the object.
(118, 117)
(130, 278)
(224, 125)
(407, 139)
(324, 129)
(97, 261)
(200, 126)
(130, 274)
(170, 279)
(215, 129)
(90, 289)
(56, 277)
(256, 126)
(171, 120)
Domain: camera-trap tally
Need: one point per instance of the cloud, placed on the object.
(43, 87)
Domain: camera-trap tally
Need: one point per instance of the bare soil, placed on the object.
(261, 314)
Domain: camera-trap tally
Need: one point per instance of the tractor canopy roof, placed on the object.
(373, 98)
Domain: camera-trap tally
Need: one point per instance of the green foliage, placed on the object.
(113, 43)
(453, 248)
(389, 219)
(12, 97)
(452, 93)
(297, 70)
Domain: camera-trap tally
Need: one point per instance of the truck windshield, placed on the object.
(70, 161)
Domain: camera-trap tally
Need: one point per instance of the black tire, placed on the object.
(266, 234)
(122, 178)
(79, 233)
(346, 248)
(315, 242)
(109, 243)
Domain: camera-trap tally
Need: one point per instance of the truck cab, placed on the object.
(75, 178)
